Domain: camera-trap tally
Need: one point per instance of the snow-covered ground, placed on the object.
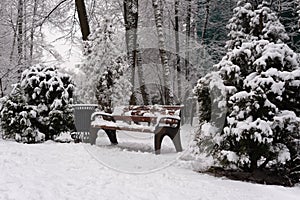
(127, 171)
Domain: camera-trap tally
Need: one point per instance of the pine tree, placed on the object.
(105, 68)
(39, 107)
(260, 75)
(113, 88)
(104, 53)
(11, 106)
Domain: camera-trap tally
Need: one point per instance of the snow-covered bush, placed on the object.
(260, 80)
(39, 106)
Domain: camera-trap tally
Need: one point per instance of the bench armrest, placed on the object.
(104, 115)
(173, 121)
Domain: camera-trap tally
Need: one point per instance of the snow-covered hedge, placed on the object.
(39, 106)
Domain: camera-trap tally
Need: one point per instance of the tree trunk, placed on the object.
(253, 162)
(177, 66)
(141, 78)
(205, 21)
(1, 89)
(188, 34)
(162, 52)
(161, 6)
(14, 42)
(25, 32)
(198, 21)
(32, 31)
(83, 19)
(20, 36)
(131, 22)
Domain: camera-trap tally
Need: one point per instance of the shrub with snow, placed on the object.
(39, 106)
(259, 79)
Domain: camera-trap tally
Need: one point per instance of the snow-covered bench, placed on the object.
(157, 119)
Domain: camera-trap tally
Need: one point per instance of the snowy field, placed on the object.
(127, 171)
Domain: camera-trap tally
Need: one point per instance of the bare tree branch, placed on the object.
(52, 11)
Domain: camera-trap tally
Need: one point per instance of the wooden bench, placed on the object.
(160, 120)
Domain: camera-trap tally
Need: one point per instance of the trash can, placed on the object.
(82, 119)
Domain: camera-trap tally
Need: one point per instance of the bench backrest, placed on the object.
(149, 113)
(151, 109)
(136, 116)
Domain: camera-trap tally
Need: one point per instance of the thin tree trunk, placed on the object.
(14, 43)
(20, 36)
(83, 19)
(188, 34)
(162, 52)
(177, 66)
(141, 78)
(131, 22)
(1, 88)
(161, 6)
(205, 21)
(25, 32)
(32, 31)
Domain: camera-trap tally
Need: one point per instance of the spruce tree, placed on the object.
(39, 107)
(112, 88)
(105, 67)
(260, 75)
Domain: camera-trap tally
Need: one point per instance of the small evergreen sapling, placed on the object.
(113, 88)
(104, 67)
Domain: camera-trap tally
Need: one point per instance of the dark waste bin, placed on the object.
(82, 119)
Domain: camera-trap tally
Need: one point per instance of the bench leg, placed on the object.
(157, 142)
(93, 135)
(112, 136)
(176, 141)
(174, 134)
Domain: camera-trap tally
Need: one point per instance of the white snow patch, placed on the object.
(76, 171)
